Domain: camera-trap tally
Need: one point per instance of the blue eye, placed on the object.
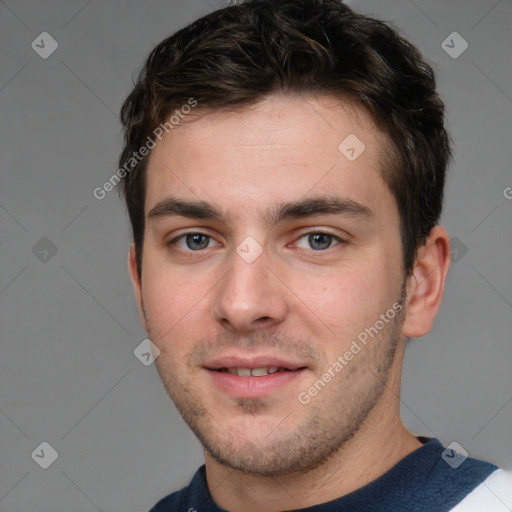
(320, 241)
(193, 241)
(316, 241)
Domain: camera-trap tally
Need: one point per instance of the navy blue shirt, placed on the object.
(421, 482)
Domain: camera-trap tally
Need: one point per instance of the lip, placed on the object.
(253, 387)
(261, 361)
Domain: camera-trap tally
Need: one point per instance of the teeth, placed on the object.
(254, 372)
(259, 372)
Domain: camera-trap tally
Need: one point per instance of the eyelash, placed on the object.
(340, 241)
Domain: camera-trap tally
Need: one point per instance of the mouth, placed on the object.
(254, 372)
(253, 378)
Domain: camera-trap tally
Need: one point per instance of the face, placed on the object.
(268, 255)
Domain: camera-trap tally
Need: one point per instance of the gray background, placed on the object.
(69, 325)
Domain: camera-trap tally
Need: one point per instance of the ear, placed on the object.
(137, 284)
(425, 287)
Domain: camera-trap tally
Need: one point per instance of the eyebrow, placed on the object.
(303, 208)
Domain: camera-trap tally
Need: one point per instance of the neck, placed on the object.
(376, 448)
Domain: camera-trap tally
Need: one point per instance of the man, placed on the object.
(284, 165)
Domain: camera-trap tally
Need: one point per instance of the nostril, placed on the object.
(263, 321)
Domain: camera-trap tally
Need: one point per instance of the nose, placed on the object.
(250, 296)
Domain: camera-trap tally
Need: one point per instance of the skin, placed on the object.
(275, 453)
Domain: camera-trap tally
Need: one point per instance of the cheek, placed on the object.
(174, 305)
(344, 301)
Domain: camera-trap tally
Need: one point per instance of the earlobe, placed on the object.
(425, 287)
(136, 282)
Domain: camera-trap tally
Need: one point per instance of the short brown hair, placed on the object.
(240, 54)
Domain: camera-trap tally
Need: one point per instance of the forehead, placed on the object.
(278, 150)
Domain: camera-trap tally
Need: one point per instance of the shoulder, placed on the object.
(175, 501)
(494, 494)
(195, 497)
